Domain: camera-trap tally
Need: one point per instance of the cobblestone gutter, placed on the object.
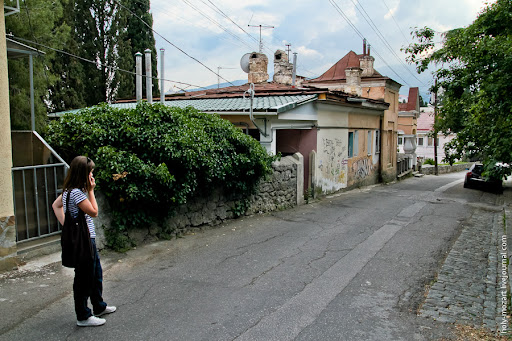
(471, 287)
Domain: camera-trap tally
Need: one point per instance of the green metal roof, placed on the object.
(274, 104)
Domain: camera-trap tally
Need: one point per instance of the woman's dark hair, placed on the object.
(78, 174)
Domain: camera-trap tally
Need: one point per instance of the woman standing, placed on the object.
(89, 276)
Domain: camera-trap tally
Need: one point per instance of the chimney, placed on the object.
(258, 63)
(149, 80)
(353, 84)
(283, 69)
(162, 78)
(138, 76)
(366, 63)
(364, 46)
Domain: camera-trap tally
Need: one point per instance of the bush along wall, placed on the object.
(276, 192)
(152, 159)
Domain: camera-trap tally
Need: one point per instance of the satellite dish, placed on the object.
(244, 62)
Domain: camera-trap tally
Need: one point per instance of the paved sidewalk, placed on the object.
(471, 285)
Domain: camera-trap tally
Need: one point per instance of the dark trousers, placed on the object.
(88, 283)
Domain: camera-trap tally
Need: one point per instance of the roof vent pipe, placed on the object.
(364, 46)
(149, 80)
(138, 76)
(369, 49)
(162, 78)
(294, 74)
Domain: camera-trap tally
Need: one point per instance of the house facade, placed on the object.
(355, 74)
(425, 139)
(408, 125)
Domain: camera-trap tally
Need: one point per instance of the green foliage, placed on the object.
(429, 161)
(476, 79)
(169, 155)
(39, 21)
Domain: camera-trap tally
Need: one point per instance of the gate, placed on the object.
(35, 187)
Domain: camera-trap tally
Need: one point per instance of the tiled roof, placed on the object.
(337, 71)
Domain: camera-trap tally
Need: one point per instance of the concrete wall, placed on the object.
(7, 226)
(282, 190)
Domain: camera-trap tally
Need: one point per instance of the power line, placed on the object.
(340, 11)
(215, 22)
(97, 63)
(392, 16)
(381, 36)
(174, 45)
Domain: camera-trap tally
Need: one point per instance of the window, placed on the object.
(350, 144)
(356, 143)
(400, 141)
(430, 141)
(369, 142)
(420, 141)
(377, 141)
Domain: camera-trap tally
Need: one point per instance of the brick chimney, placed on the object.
(366, 61)
(353, 84)
(258, 63)
(283, 69)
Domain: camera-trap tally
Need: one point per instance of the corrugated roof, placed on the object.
(275, 104)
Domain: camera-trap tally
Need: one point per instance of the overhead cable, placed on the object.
(172, 44)
(340, 11)
(96, 62)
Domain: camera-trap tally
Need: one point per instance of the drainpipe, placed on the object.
(149, 80)
(162, 92)
(138, 76)
(294, 75)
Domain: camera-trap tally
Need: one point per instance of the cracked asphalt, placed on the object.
(353, 266)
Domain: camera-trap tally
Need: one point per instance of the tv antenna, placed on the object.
(218, 73)
(288, 49)
(261, 27)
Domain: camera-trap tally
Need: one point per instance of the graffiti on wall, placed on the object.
(332, 165)
(362, 168)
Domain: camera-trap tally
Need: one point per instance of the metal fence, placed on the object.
(35, 189)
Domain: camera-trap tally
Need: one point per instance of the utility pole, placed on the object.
(435, 129)
(261, 26)
(218, 74)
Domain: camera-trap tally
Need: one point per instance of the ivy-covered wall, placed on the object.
(283, 189)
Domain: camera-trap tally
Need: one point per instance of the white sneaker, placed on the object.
(108, 310)
(92, 321)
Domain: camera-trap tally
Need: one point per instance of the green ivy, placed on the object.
(169, 155)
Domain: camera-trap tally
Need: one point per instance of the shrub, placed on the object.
(429, 161)
(163, 156)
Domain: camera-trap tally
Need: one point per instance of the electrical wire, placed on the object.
(97, 63)
(392, 16)
(172, 44)
(340, 11)
(374, 27)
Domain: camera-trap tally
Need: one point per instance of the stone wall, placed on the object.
(443, 169)
(283, 189)
(8, 248)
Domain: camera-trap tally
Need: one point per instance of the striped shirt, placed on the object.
(77, 196)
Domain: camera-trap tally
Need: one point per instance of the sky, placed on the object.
(204, 37)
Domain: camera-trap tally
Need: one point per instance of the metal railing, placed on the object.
(35, 189)
(402, 166)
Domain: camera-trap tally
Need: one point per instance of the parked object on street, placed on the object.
(475, 179)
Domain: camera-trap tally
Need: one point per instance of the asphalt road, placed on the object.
(352, 266)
